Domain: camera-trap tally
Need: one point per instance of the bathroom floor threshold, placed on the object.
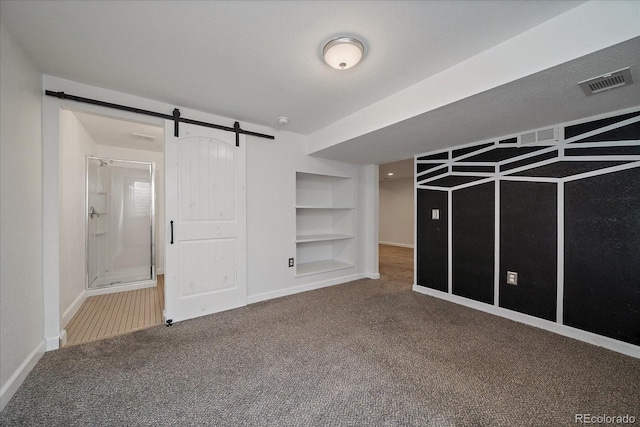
(109, 315)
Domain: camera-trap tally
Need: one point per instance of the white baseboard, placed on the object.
(374, 276)
(73, 308)
(251, 299)
(15, 381)
(159, 270)
(567, 331)
(63, 337)
(121, 288)
(401, 245)
(52, 343)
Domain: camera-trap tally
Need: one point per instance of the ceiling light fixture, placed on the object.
(390, 174)
(343, 53)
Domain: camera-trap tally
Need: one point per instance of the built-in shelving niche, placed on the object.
(325, 206)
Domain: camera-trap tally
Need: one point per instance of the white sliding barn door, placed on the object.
(205, 269)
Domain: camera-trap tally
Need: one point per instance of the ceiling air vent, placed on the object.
(143, 136)
(607, 82)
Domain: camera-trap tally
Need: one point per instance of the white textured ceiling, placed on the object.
(400, 170)
(546, 98)
(256, 60)
(122, 133)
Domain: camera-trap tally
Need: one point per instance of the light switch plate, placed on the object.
(512, 278)
(435, 213)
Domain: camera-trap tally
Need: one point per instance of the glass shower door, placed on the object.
(120, 219)
(93, 233)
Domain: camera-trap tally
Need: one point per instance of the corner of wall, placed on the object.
(21, 267)
(14, 382)
(75, 145)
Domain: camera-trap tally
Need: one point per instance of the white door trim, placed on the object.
(51, 148)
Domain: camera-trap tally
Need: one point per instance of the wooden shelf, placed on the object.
(321, 237)
(320, 267)
(325, 228)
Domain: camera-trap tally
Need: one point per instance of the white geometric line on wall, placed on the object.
(601, 130)
(632, 161)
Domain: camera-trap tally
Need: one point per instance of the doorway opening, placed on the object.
(396, 219)
(111, 270)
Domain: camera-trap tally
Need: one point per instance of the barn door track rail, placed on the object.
(175, 116)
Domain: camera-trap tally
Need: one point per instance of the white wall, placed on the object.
(271, 189)
(271, 216)
(21, 300)
(76, 144)
(368, 229)
(396, 212)
(587, 28)
(122, 153)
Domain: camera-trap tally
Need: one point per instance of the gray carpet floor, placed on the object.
(370, 352)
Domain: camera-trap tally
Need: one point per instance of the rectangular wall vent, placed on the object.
(607, 82)
(542, 135)
(547, 135)
(528, 138)
(143, 137)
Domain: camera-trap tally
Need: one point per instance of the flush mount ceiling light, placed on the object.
(343, 53)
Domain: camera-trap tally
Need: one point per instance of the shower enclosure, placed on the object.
(120, 223)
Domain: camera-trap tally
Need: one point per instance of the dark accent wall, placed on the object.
(629, 133)
(604, 151)
(485, 169)
(565, 169)
(528, 246)
(599, 268)
(463, 151)
(454, 180)
(602, 255)
(529, 161)
(437, 156)
(502, 153)
(426, 166)
(432, 238)
(579, 129)
(434, 172)
(473, 218)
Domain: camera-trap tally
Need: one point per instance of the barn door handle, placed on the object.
(171, 232)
